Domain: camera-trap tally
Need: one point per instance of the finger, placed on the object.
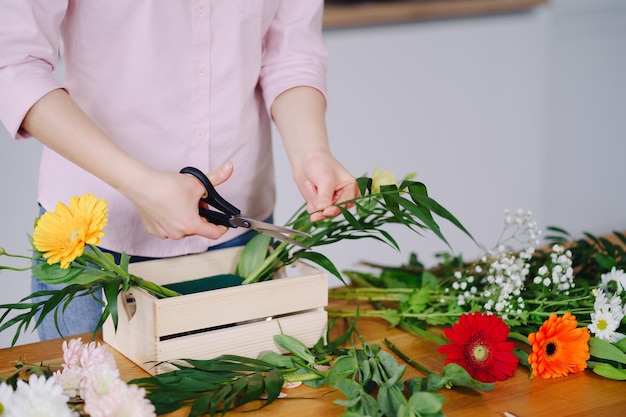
(325, 192)
(209, 230)
(309, 193)
(221, 174)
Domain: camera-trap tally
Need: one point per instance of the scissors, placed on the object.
(230, 216)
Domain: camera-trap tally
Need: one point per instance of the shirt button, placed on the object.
(200, 71)
(200, 134)
(201, 8)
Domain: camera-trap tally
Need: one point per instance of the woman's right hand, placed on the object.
(168, 204)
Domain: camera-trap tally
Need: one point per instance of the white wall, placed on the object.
(459, 101)
(510, 111)
(585, 144)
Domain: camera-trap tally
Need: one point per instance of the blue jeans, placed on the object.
(83, 313)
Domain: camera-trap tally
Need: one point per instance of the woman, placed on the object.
(153, 86)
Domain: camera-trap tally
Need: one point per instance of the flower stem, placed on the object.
(519, 336)
(153, 288)
(100, 259)
(266, 264)
(421, 332)
(408, 360)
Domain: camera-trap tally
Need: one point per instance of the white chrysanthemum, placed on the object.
(39, 397)
(604, 325)
(615, 278)
(6, 395)
(122, 401)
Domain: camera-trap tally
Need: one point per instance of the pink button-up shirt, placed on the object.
(175, 83)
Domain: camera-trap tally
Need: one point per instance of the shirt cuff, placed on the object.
(22, 87)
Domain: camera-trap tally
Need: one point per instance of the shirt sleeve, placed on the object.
(29, 45)
(294, 51)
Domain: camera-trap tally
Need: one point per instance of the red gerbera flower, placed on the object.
(479, 345)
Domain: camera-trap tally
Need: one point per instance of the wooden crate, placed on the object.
(239, 320)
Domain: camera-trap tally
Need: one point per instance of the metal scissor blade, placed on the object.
(282, 237)
(278, 232)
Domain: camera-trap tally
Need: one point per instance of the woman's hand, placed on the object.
(324, 183)
(170, 209)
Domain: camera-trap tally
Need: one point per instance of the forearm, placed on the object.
(299, 115)
(57, 122)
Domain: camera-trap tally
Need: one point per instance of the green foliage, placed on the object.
(212, 386)
(92, 273)
(370, 378)
(369, 216)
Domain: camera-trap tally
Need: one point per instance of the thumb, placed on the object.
(221, 174)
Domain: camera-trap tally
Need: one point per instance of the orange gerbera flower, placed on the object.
(560, 347)
(61, 235)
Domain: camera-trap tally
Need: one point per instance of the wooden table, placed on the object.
(582, 394)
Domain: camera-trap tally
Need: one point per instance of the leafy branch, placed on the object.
(368, 216)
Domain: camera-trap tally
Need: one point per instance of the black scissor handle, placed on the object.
(213, 198)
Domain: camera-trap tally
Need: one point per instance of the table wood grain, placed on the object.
(344, 15)
(582, 394)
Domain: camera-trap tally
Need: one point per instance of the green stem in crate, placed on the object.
(266, 264)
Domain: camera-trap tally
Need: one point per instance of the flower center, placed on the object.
(480, 352)
(74, 236)
(550, 348)
(602, 325)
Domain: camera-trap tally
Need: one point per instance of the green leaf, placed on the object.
(254, 388)
(320, 260)
(420, 197)
(364, 184)
(296, 347)
(426, 403)
(602, 349)
(394, 371)
(253, 254)
(455, 375)
(54, 274)
(390, 399)
(201, 405)
(621, 344)
(609, 371)
(351, 389)
(276, 359)
(273, 384)
(111, 291)
(344, 367)
(605, 261)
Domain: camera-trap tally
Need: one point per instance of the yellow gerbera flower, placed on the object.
(61, 235)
